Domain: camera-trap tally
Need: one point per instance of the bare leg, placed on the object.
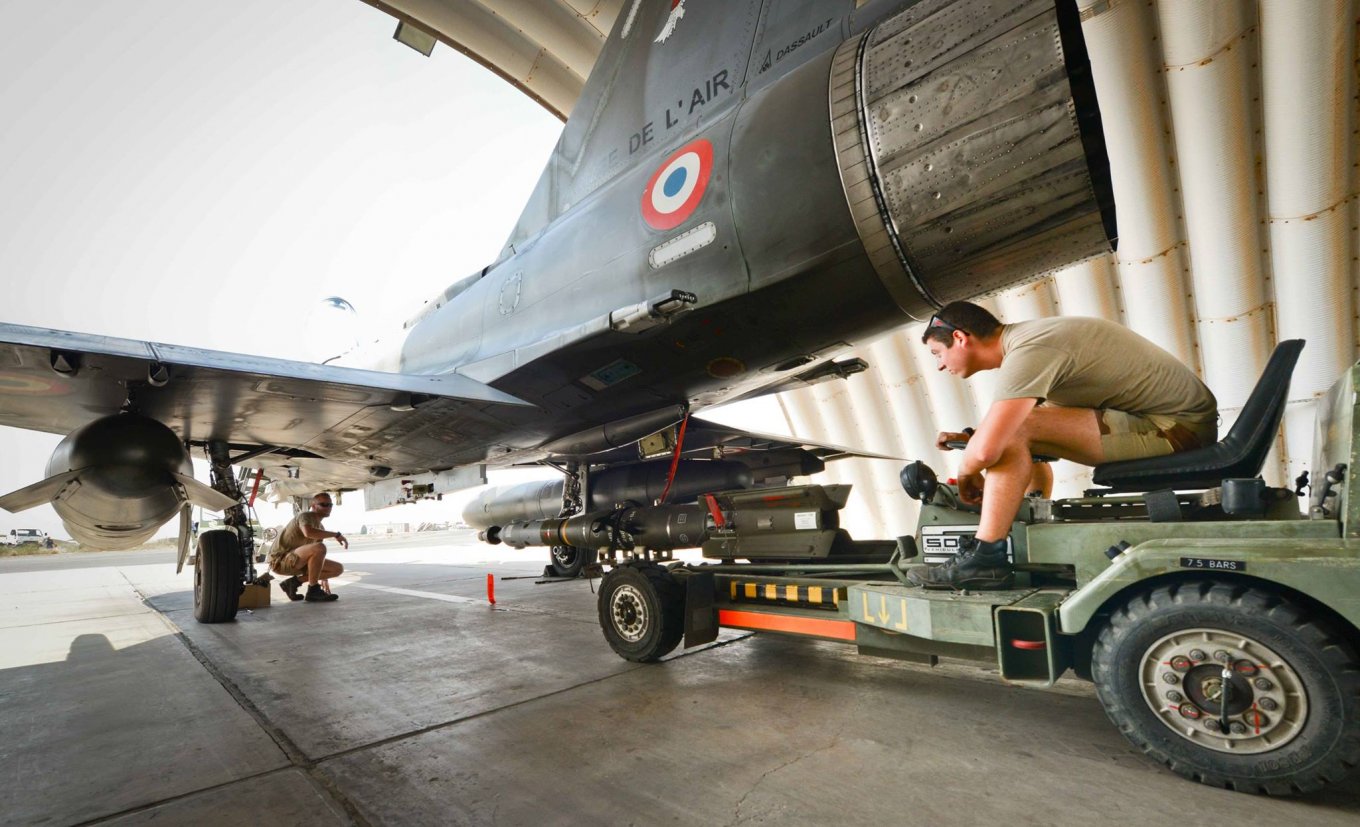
(1069, 433)
(313, 555)
(329, 569)
(1005, 486)
(314, 564)
(1041, 480)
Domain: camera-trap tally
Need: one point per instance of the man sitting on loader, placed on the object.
(1083, 389)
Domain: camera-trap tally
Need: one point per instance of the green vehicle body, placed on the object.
(1067, 583)
(1220, 627)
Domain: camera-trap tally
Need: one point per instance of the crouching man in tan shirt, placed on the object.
(300, 552)
(1082, 389)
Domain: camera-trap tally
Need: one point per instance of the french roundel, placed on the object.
(677, 186)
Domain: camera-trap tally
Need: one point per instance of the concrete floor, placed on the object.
(412, 701)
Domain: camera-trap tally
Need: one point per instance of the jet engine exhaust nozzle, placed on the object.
(981, 162)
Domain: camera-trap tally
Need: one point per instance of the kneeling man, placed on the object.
(1083, 389)
(300, 552)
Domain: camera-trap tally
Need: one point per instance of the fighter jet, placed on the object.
(743, 190)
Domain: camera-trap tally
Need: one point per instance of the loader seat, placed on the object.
(1240, 454)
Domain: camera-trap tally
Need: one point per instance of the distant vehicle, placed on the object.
(19, 536)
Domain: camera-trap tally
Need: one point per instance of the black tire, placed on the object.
(1310, 683)
(569, 561)
(218, 579)
(642, 611)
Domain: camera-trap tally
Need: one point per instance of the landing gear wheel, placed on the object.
(1292, 696)
(568, 561)
(217, 577)
(642, 611)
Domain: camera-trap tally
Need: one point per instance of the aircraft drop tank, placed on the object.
(641, 482)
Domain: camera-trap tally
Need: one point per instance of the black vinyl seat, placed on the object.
(1240, 454)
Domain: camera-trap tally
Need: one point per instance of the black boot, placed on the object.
(977, 566)
(290, 587)
(316, 594)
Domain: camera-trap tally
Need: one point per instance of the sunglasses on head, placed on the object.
(936, 321)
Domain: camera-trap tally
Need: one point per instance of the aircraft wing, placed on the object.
(344, 426)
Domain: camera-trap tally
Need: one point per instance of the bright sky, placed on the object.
(205, 174)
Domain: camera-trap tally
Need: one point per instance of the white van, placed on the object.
(19, 536)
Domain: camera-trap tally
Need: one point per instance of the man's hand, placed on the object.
(970, 488)
(942, 441)
(340, 538)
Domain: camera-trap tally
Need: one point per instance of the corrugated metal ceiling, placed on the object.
(544, 48)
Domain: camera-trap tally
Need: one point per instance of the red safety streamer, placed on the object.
(675, 459)
(255, 489)
(491, 589)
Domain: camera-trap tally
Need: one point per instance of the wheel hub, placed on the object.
(1183, 682)
(628, 610)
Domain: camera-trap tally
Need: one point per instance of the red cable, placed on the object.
(675, 459)
(715, 510)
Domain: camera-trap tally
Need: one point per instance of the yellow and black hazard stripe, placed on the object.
(785, 594)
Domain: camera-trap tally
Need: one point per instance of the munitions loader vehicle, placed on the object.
(1216, 615)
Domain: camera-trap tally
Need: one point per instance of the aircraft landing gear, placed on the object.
(224, 563)
(569, 561)
(217, 576)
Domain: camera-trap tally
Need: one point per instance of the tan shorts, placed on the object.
(289, 564)
(1134, 436)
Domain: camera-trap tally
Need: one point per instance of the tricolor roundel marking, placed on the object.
(677, 186)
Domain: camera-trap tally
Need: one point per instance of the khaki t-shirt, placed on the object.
(1078, 362)
(292, 537)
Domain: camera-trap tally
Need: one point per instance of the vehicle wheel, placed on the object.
(568, 561)
(217, 576)
(1293, 695)
(642, 611)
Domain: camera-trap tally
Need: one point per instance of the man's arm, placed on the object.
(999, 426)
(998, 429)
(316, 532)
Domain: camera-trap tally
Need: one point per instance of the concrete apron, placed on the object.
(411, 701)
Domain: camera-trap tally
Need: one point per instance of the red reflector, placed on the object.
(789, 624)
(1030, 645)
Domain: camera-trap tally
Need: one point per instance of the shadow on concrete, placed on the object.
(109, 729)
(419, 709)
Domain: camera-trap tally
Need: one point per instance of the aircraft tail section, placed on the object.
(667, 66)
(958, 140)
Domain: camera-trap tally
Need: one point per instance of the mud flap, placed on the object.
(701, 615)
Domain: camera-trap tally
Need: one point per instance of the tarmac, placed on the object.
(412, 700)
